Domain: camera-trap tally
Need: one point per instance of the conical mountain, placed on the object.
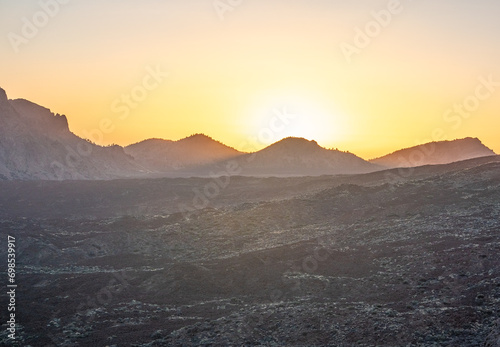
(298, 157)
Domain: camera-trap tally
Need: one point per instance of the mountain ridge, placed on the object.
(435, 153)
(167, 155)
(37, 144)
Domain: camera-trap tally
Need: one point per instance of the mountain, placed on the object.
(165, 155)
(37, 144)
(433, 153)
(299, 157)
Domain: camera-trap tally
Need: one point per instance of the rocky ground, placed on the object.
(398, 258)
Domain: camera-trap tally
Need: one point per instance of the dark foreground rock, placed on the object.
(360, 261)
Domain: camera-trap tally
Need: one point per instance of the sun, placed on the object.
(279, 115)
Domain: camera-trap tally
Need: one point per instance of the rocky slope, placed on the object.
(317, 261)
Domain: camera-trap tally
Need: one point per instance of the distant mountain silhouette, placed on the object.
(36, 144)
(165, 155)
(433, 153)
(298, 157)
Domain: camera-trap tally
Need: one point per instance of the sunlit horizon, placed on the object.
(168, 70)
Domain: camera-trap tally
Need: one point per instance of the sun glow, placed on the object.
(275, 116)
(226, 77)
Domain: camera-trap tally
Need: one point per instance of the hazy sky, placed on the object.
(123, 71)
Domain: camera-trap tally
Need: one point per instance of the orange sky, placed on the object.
(123, 71)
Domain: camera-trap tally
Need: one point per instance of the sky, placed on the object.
(366, 76)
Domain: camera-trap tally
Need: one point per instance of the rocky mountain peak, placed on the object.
(3, 96)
